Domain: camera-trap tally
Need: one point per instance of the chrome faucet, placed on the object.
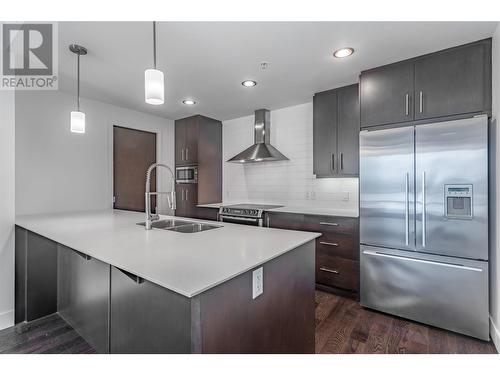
(170, 198)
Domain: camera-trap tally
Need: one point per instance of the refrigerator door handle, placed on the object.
(407, 213)
(410, 259)
(424, 198)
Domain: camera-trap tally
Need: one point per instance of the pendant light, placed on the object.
(154, 81)
(78, 117)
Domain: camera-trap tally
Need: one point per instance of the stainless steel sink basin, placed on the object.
(194, 228)
(167, 223)
(182, 226)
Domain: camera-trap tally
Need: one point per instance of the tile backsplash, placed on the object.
(289, 182)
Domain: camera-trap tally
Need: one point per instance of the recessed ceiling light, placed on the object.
(189, 102)
(249, 83)
(343, 52)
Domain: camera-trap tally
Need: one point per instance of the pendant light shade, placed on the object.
(77, 121)
(154, 84)
(154, 80)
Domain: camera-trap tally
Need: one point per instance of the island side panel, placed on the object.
(281, 320)
(146, 318)
(35, 275)
(21, 242)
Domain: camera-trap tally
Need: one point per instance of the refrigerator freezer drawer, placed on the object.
(445, 292)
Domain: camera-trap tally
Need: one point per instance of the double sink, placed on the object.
(181, 226)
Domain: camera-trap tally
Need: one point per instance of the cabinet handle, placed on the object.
(187, 151)
(333, 163)
(84, 256)
(324, 269)
(268, 221)
(421, 102)
(327, 223)
(329, 243)
(407, 104)
(136, 279)
(341, 161)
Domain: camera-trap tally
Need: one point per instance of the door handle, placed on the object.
(424, 202)
(136, 279)
(327, 223)
(407, 213)
(329, 243)
(324, 269)
(407, 104)
(410, 259)
(421, 102)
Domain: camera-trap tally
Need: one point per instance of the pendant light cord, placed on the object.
(154, 43)
(78, 82)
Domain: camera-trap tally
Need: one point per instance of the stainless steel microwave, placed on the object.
(186, 175)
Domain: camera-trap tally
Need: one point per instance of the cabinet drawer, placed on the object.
(336, 271)
(331, 224)
(339, 245)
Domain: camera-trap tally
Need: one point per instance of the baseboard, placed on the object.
(495, 334)
(6, 319)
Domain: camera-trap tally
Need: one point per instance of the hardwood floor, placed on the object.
(49, 335)
(343, 326)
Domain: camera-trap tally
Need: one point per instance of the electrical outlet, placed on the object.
(257, 282)
(345, 196)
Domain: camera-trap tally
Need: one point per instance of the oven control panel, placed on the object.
(247, 212)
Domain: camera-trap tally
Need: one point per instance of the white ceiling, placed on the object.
(207, 61)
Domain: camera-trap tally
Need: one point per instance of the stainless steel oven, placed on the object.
(186, 175)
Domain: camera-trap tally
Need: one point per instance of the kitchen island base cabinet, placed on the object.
(83, 296)
(146, 318)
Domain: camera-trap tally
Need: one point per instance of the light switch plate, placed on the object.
(257, 282)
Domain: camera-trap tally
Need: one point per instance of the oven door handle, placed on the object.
(221, 217)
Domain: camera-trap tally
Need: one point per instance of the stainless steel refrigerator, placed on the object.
(424, 223)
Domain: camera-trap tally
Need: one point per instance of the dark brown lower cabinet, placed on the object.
(83, 296)
(337, 250)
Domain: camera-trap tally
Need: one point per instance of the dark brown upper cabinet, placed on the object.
(186, 141)
(336, 132)
(451, 82)
(386, 95)
(454, 81)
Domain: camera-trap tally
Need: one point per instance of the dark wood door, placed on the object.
(386, 94)
(191, 140)
(133, 152)
(325, 134)
(179, 200)
(180, 141)
(348, 130)
(454, 81)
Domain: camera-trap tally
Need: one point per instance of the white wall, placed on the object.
(290, 182)
(57, 170)
(7, 207)
(495, 195)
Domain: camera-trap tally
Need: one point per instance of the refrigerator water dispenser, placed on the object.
(458, 201)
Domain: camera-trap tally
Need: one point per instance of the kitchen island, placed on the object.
(128, 290)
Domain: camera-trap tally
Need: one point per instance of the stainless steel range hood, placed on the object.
(261, 150)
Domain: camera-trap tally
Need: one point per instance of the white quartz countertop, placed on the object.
(187, 263)
(308, 210)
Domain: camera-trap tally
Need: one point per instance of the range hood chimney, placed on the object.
(261, 150)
